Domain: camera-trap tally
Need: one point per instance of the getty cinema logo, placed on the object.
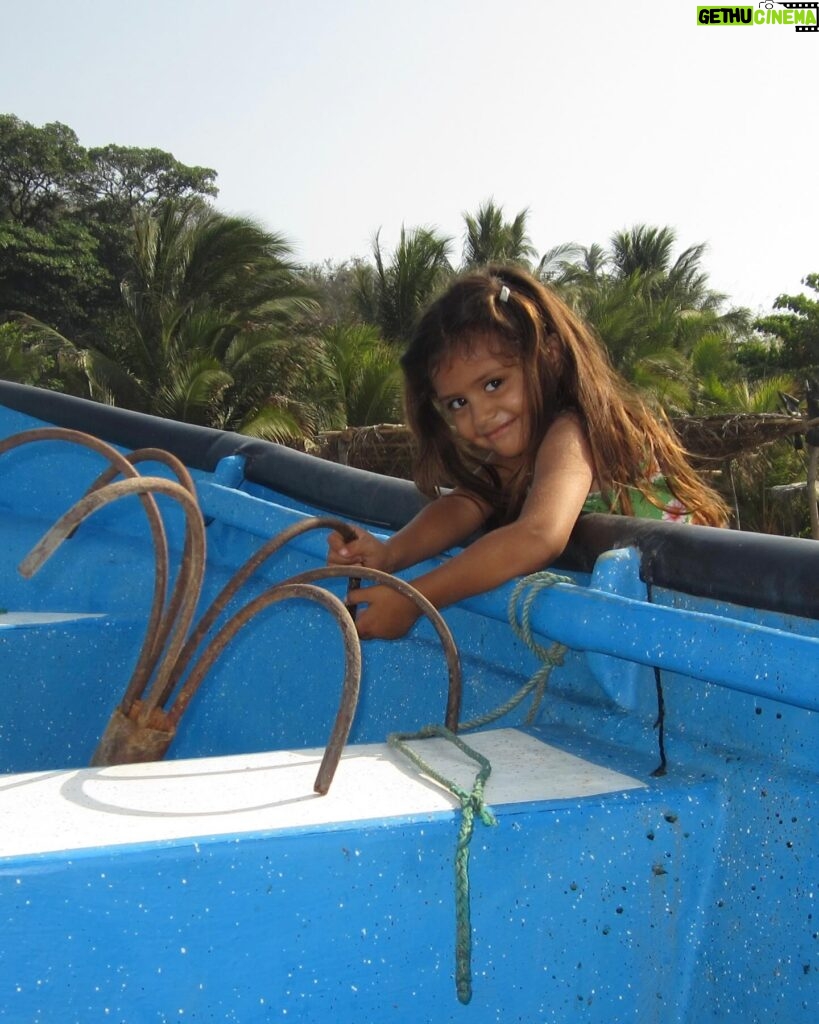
(804, 17)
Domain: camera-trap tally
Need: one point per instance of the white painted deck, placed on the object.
(88, 808)
(13, 620)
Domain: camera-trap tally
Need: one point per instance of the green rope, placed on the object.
(519, 619)
(472, 802)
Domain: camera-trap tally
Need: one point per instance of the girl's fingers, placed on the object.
(341, 552)
(343, 558)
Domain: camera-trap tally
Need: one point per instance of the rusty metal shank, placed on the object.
(162, 618)
(119, 464)
(454, 693)
(243, 574)
(190, 574)
(352, 667)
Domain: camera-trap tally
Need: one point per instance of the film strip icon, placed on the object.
(802, 7)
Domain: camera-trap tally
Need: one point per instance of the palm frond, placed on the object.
(272, 422)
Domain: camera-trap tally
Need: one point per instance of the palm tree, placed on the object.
(561, 264)
(491, 239)
(647, 252)
(210, 306)
(20, 361)
(638, 335)
(650, 309)
(362, 375)
(392, 295)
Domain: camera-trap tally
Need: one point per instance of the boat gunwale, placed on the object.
(768, 572)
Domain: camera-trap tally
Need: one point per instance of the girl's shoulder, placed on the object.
(569, 416)
(565, 442)
(566, 425)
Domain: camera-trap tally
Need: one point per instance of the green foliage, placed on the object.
(21, 361)
(742, 396)
(66, 217)
(652, 311)
(797, 330)
(45, 172)
(211, 299)
(558, 264)
(40, 171)
(393, 295)
(123, 179)
(491, 239)
(758, 358)
(752, 478)
(210, 303)
(54, 275)
(39, 358)
(647, 252)
(333, 286)
(363, 377)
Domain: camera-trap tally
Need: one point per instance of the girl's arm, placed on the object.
(563, 476)
(442, 524)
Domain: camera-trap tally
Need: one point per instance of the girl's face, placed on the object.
(481, 389)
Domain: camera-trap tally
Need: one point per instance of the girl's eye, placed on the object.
(455, 404)
(493, 385)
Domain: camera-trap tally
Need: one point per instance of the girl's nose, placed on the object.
(481, 415)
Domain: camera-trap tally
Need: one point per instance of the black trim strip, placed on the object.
(356, 493)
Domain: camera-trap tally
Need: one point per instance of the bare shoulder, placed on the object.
(562, 478)
(563, 472)
(569, 421)
(564, 441)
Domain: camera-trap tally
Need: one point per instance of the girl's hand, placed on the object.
(364, 550)
(387, 615)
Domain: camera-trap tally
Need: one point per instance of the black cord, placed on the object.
(659, 724)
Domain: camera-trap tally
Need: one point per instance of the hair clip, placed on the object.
(504, 294)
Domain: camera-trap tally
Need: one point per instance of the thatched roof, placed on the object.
(386, 448)
(710, 438)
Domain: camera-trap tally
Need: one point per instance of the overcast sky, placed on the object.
(328, 120)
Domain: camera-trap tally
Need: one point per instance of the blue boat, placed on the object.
(590, 795)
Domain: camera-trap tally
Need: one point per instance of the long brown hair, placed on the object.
(565, 367)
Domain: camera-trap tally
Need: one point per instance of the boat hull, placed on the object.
(217, 885)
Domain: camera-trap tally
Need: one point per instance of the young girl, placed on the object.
(513, 403)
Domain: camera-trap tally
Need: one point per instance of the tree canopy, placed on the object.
(117, 276)
(796, 326)
(66, 213)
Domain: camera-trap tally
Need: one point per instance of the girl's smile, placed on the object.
(481, 388)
